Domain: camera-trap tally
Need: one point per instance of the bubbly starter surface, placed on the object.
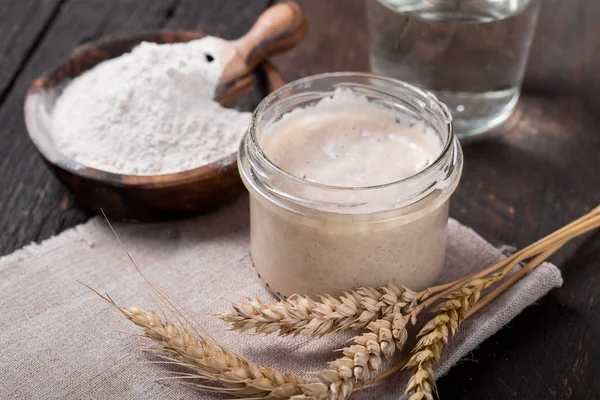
(346, 141)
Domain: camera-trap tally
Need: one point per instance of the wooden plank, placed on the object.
(227, 19)
(33, 206)
(336, 41)
(22, 25)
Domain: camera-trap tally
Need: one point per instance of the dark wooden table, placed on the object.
(540, 173)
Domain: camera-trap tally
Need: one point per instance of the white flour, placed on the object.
(149, 111)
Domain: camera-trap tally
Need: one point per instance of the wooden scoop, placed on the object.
(277, 29)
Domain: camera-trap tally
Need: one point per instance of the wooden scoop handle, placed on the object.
(277, 29)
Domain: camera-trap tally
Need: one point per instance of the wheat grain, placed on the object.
(301, 315)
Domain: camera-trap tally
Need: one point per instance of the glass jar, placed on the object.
(311, 239)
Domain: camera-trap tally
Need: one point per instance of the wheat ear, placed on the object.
(242, 377)
(360, 361)
(301, 315)
(238, 375)
(212, 362)
(458, 305)
(436, 332)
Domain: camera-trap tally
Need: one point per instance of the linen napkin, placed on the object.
(60, 341)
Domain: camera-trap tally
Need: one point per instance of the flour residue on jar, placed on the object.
(345, 140)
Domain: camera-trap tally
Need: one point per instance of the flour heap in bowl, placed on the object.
(149, 112)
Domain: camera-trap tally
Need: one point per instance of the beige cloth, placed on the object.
(59, 341)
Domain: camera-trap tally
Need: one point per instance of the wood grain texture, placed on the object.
(22, 24)
(336, 40)
(541, 170)
(278, 29)
(227, 19)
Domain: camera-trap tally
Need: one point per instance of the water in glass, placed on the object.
(471, 53)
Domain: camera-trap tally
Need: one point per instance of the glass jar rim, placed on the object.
(424, 190)
(425, 95)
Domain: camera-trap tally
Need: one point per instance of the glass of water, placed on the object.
(471, 53)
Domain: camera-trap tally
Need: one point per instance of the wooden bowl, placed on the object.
(133, 197)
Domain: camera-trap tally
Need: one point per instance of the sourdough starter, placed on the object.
(345, 141)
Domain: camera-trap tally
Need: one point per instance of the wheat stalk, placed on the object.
(458, 305)
(423, 378)
(301, 315)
